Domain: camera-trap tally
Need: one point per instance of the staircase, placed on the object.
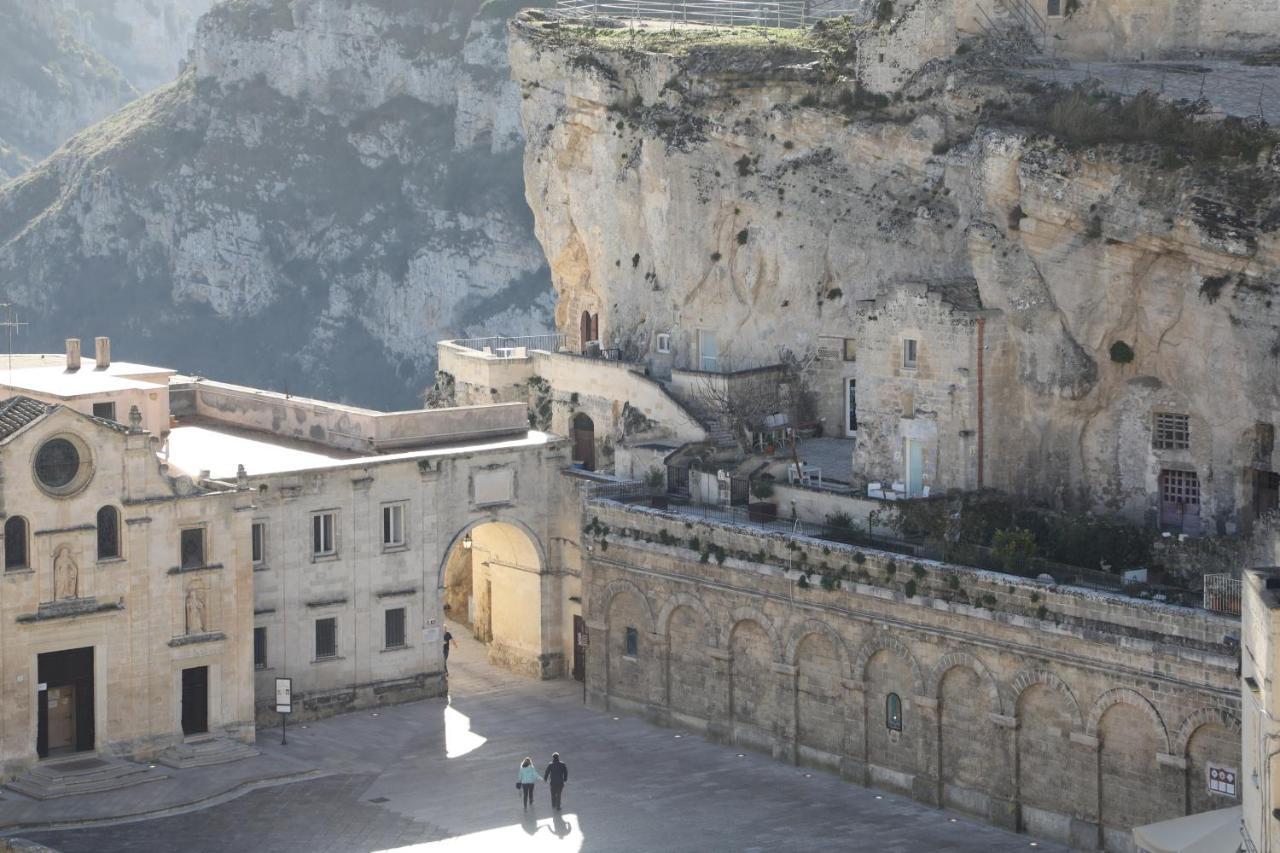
(718, 433)
(82, 774)
(204, 752)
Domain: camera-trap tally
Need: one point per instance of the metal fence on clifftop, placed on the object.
(723, 13)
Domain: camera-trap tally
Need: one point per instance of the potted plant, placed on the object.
(762, 509)
(656, 479)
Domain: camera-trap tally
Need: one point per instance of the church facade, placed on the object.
(127, 594)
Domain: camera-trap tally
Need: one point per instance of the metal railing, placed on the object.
(724, 13)
(1222, 594)
(505, 346)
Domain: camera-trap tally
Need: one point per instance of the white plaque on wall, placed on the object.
(496, 485)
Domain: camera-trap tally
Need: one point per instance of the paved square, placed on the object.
(433, 777)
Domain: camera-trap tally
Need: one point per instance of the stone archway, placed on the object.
(492, 577)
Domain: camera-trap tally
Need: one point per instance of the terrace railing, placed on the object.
(504, 345)
(725, 13)
(1222, 594)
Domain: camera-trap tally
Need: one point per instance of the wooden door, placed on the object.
(579, 649)
(62, 719)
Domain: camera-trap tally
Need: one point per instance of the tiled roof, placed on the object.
(17, 412)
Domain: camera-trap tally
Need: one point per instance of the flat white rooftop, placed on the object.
(47, 374)
(220, 449)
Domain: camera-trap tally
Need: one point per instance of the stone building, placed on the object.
(908, 385)
(1065, 713)
(362, 520)
(174, 544)
(127, 605)
(1260, 706)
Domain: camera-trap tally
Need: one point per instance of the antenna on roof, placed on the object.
(10, 325)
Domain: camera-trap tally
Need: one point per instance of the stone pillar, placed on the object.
(1004, 784)
(784, 739)
(925, 787)
(598, 666)
(1086, 824)
(853, 758)
(719, 708)
(1173, 777)
(658, 709)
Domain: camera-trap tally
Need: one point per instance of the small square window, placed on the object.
(633, 642)
(392, 525)
(323, 536)
(259, 543)
(192, 548)
(326, 638)
(259, 648)
(909, 353)
(664, 343)
(850, 350)
(1172, 432)
(393, 634)
(105, 410)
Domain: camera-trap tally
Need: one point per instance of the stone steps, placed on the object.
(81, 775)
(205, 752)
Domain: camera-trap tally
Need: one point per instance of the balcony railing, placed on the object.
(505, 346)
(726, 13)
(1222, 594)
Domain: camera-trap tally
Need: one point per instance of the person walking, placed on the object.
(448, 638)
(526, 778)
(557, 773)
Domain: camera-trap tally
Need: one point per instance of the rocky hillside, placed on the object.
(743, 182)
(52, 83)
(327, 188)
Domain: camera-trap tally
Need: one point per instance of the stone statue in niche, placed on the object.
(196, 610)
(66, 575)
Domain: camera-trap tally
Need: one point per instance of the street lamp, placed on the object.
(466, 542)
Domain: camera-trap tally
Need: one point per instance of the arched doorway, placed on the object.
(584, 441)
(588, 329)
(491, 581)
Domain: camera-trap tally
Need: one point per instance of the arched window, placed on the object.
(893, 712)
(108, 533)
(15, 543)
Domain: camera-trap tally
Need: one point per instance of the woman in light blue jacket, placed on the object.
(526, 778)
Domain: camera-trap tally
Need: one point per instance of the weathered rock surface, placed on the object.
(731, 187)
(52, 83)
(309, 206)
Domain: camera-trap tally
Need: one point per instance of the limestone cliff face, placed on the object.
(52, 83)
(309, 206)
(733, 189)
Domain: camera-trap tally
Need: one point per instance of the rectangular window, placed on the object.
(323, 542)
(909, 353)
(392, 525)
(1180, 488)
(259, 648)
(1053, 8)
(633, 642)
(326, 638)
(259, 543)
(394, 633)
(105, 410)
(1172, 432)
(192, 548)
(850, 350)
(664, 343)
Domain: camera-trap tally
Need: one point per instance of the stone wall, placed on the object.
(1065, 713)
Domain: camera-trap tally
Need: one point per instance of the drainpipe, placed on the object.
(982, 331)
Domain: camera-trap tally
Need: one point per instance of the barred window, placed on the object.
(394, 628)
(1172, 432)
(1180, 487)
(260, 648)
(326, 638)
(192, 548)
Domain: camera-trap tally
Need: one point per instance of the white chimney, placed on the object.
(73, 353)
(102, 350)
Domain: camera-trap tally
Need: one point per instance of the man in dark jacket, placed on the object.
(557, 774)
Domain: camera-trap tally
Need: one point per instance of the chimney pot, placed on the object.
(73, 353)
(102, 349)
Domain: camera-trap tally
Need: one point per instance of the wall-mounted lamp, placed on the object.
(466, 542)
